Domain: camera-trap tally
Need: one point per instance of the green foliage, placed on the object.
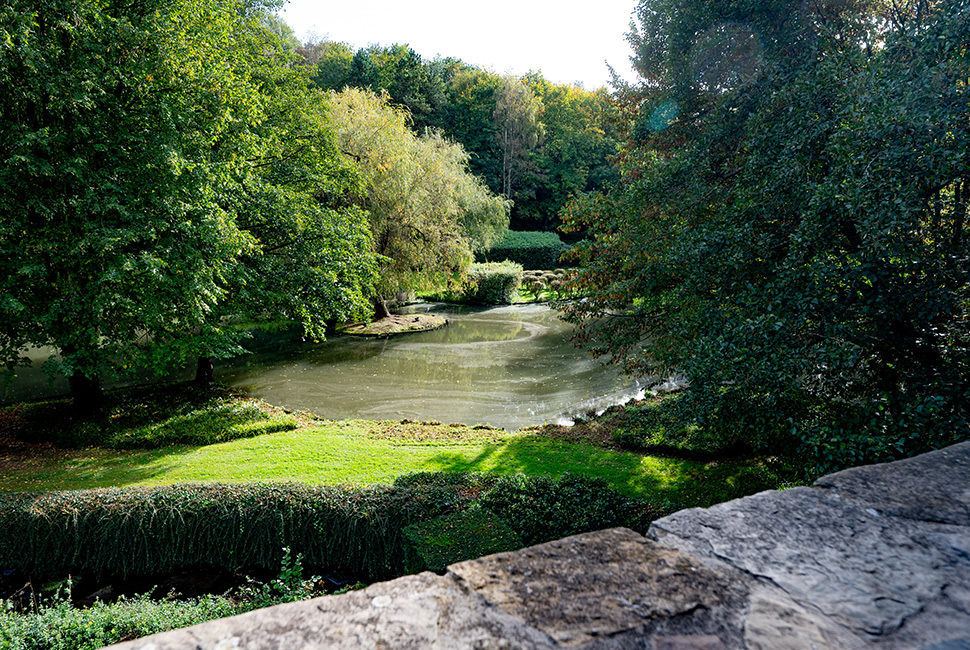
(466, 482)
(493, 283)
(667, 425)
(289, 586)
(55, 624)
(357, 531)
(533, 250)
(148, 198)
(427, 213)
(148, 418)
(573, 155)
(536, 142)
(434, 545)
(540, 509)
(791, 233)
(58, 625)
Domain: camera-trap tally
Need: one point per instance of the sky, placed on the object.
(515, 36)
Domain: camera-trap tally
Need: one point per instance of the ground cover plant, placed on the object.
(54, 622)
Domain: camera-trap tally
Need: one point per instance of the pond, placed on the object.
(508, 367)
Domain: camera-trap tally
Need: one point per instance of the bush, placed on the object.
(494, 283)
(60, 626)
(540, 509)
(356, 531)
(435, 544)
(55, 624)
(533, 250)
(148, 418)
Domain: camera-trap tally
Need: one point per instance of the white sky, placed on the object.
(566, 44)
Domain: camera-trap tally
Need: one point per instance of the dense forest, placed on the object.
(532, 141)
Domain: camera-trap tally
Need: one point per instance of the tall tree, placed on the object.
(518, 129)
(130, 134)
(472, 122)
(574, 155)
(791, 230)
(427, 213)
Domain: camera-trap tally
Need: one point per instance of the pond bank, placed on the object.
(396, 325)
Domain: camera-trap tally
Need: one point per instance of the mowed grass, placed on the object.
(355, 452)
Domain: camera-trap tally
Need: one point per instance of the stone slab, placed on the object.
(613, 583)
(419, 612)
(856, 566)
(931, 487)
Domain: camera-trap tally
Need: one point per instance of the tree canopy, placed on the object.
(163, 168)
(790, 234)
(535, 142)
(428, 214)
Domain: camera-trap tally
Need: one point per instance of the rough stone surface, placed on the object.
(860, 568)
(925, 488)
(870, 558)
(607, 585)
(425, 611)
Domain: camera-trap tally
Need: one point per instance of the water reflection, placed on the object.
(509, 367)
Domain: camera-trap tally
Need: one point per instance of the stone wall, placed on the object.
(872, 557)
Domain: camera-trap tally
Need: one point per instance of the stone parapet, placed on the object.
(872, 557)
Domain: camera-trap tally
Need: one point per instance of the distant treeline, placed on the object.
(534, 141)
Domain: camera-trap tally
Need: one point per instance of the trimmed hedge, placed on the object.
(540, 509)
(494, 283)
(436, 544)
(532, 249)
(358, 531)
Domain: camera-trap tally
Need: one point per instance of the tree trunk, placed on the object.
(86, 391)
(205, 371)
(959, 211)
(380, 309)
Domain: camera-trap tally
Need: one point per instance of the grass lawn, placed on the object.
(323, 452)
(362, 452)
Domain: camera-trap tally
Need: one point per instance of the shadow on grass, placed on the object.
(675, 481)
(625, 471)
(89, 468)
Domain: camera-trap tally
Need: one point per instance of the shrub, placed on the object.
(493, 283)
(357, 531)
(533, 250)
(540, 509)
(55, 624)
(60, 626)
(466, 535)
(148, 418)
(466, 483)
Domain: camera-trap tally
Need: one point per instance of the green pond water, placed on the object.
(509, 367)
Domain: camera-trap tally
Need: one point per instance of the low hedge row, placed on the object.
(532, 249)
(374, 532)
(152, 530)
